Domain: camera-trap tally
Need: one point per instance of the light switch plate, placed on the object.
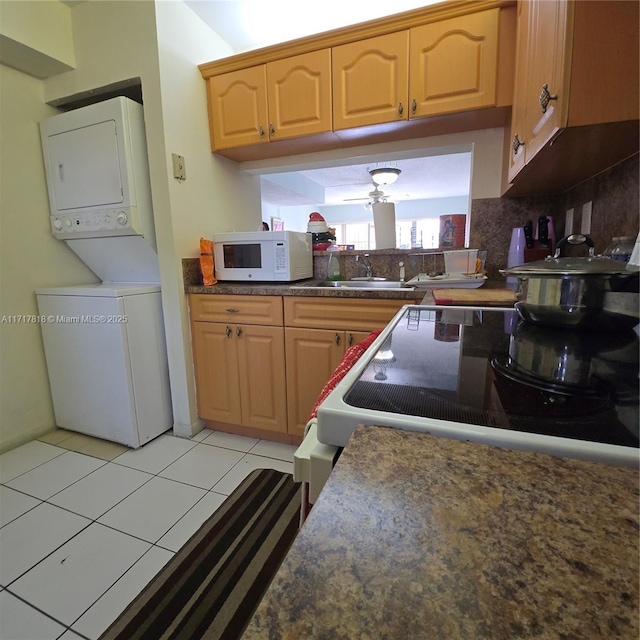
(179, 171)
(568, 222)
(585, 226)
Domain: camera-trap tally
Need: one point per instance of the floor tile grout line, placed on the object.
(152, 475)
(182, 482)
(70, 485)
(151, 545)
(38, 465)
(51, 552)
(44, 613)
(156, 544)
(113, 584)
(40, 501)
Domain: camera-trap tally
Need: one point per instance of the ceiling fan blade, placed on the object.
(354, 199)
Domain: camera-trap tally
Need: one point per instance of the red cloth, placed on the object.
(350, 358)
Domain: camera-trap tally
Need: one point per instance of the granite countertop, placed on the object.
(417, 537)
(294, 289)
(192, 280)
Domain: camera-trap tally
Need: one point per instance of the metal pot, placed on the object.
(575, 292)
(566, 358)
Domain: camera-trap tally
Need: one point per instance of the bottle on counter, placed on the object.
(607, 252)
(623, 248)
(333, 267)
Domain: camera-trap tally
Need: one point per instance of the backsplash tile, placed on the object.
(615, 194)
(492, 220)
(616, 211)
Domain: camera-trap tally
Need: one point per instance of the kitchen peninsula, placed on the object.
(421, 537)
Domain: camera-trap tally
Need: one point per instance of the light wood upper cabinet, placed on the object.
(356, 85)
(280, 100)
(521, 81)
(299, 95)
(576, 100)
(238, 113)
(454, 64)
(547, 71)
(371, 81)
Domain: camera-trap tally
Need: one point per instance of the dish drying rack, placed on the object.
(463, 268)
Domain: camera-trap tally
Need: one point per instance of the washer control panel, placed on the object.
(110, 222)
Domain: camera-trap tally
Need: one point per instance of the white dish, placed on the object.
(447, 281)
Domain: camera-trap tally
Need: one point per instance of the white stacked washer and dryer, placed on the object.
(105, 343)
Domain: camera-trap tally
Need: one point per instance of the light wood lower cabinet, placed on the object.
(238, 349)
(240, 374)
(256, 376)
(318, 332)
(312, 357)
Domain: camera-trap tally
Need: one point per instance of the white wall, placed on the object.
(36, 37)
(30, 258)
(214, 197)
(162, 43)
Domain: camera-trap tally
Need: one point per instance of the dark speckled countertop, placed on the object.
(291, 289)
(192, 280)
(418, 537)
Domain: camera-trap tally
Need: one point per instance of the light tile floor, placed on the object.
(85, 524)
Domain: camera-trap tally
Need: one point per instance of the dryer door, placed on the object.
(84, 167)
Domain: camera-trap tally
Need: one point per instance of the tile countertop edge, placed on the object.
(415, 536)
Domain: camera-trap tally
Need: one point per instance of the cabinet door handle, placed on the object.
(400, 109)
(545, 98)
(228, 331)
(238, 331)
(350, 339)
(414, 106)
(272, 131)
(232, 310)
(516, 144)
(337, 338)
(261, 131)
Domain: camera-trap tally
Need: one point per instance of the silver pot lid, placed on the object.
(551, 266)
(590, 265)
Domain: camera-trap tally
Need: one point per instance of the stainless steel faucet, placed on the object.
(366, 263)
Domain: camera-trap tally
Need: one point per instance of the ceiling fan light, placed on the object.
(385, 175)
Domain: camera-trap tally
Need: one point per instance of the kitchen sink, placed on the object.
(354, 284)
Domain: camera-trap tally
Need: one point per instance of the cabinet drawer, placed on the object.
(338, 313)
(266, 310)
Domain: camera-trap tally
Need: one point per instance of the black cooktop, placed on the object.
(490, 368)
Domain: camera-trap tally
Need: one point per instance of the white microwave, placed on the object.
(263, 256)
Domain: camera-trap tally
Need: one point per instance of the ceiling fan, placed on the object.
(374, 196)
(379, 177)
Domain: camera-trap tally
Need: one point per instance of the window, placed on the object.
(410, 234)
